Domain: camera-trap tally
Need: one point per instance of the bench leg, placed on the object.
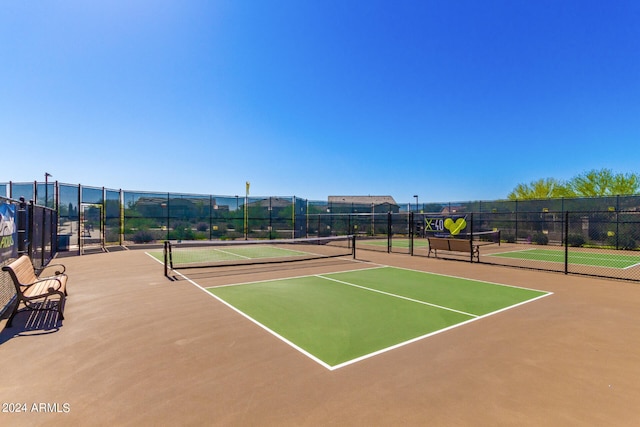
(13, 314)
(61, 305)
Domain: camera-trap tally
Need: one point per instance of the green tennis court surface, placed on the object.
(575, 257)
(339, 318)
(396, 243)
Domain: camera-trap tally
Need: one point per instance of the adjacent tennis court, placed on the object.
(340, 318)
(403, 243)
(595, 259)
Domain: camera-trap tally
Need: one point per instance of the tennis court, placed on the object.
(340, 318)
(382, 244)
(400, 243)
(593, 259)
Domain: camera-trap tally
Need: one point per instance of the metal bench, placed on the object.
(36, 291)
(453, 245)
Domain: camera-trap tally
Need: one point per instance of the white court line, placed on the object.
(287, 253)
(292, 277)
(231, 253)
(397, 296)
(634, 265)
(460, 277)
(510, 252)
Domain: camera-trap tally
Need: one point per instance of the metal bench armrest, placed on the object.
(57, 272)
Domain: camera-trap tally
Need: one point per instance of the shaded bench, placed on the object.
(37, 291)
(453, 245)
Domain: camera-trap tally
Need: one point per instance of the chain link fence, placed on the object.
(528, 229)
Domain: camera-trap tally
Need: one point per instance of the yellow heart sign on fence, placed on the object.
(455, 227)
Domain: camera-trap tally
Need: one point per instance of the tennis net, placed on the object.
(486, 237)
(209, 253)
(492, 236)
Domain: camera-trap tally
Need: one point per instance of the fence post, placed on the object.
(471, 240)
(389, 232)
(411, 233)
(43, 239)
(22, 226)
(353, 245)
(516, 212)
(617, 222)
(566, 242)
(32, 225)
(211, 217)
(168, 214)
(294, 210)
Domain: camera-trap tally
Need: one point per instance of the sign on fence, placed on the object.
(8, 231)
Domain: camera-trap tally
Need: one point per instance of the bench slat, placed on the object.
(42, 287)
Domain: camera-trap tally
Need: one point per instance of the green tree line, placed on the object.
(594, 183)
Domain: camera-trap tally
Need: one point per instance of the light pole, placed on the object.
(417, 209)
(46, 188)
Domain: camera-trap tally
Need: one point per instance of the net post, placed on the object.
(165, 253)
(566, 242)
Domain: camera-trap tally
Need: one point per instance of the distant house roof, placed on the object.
(363, 200)
(453, 209)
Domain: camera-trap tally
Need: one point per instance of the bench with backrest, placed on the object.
(37, 291)
(453, 245)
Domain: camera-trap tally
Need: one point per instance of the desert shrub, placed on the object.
(623, 242)
(142, 236)
(540, 239)
(509, 238)
(575, 240)
(182, 231)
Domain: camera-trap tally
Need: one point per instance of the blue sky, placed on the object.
(451, 100)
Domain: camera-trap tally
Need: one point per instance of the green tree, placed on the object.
(604, 182)
(594, 183)
(541, 189)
